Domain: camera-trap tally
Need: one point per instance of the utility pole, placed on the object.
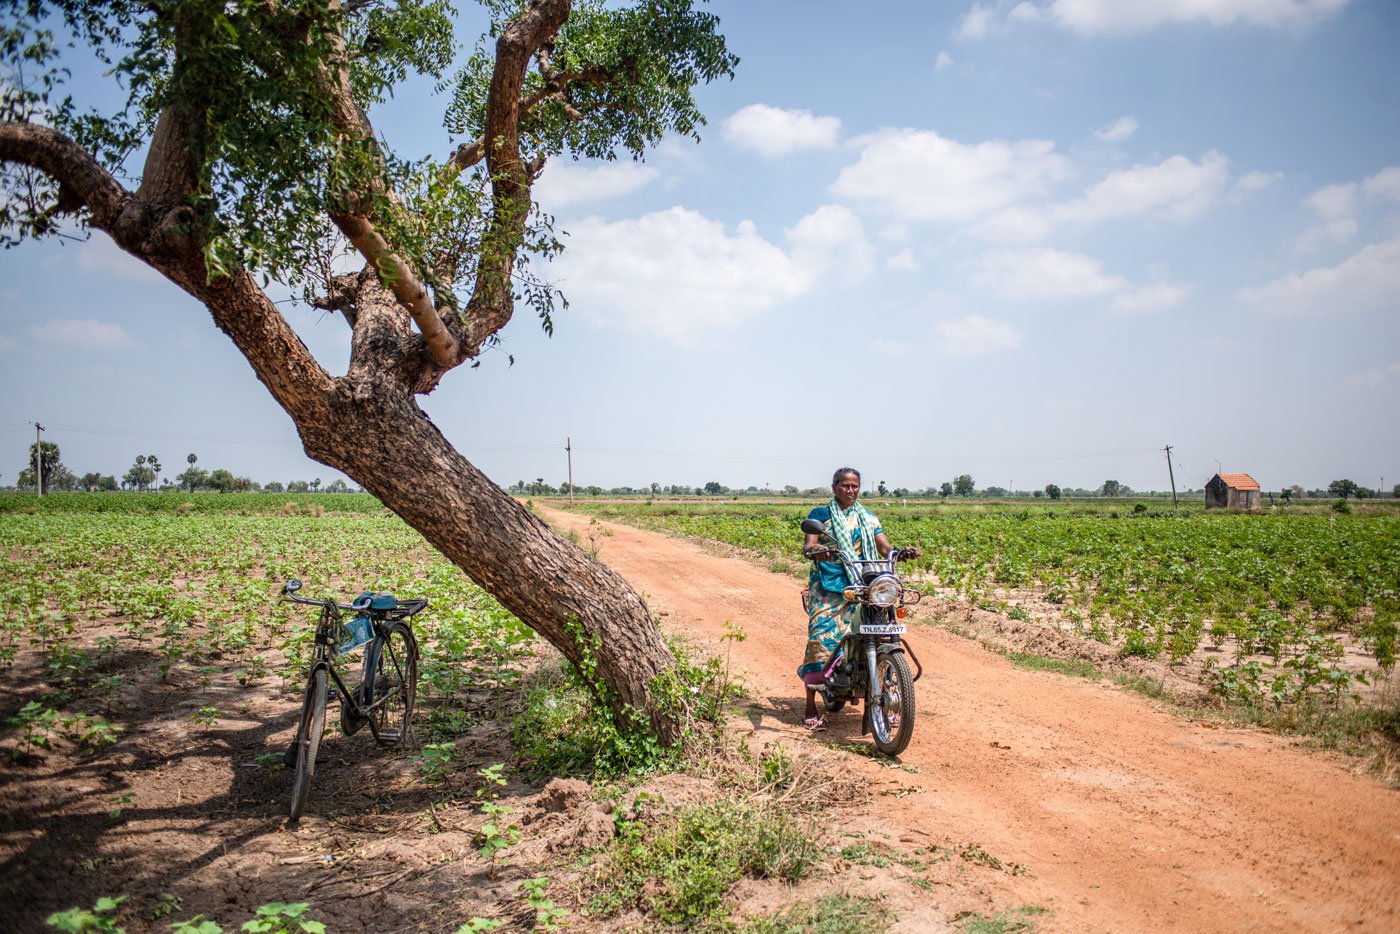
(1171, 475)
(38, 460)
(569, 448)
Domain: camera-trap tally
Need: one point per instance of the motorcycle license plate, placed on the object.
(882, 629)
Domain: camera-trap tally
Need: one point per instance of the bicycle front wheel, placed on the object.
(395, 685)
(308, 741)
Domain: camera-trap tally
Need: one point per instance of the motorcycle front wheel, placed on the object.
(892, 712)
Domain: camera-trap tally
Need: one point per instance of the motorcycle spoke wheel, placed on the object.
(308, 741)
(395, 686)
(892, 713)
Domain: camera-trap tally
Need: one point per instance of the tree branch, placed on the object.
(162, 237)
(82, 179)
(398, 277)
(492, 302)
(393, 269)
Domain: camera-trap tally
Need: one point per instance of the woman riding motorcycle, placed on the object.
(856, 530)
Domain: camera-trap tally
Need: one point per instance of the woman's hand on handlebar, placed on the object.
(910, 553)
(817, 553)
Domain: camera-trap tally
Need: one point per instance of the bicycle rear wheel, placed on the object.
(395, 685)
(308, 741)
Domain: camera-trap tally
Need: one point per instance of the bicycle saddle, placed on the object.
(375, 601)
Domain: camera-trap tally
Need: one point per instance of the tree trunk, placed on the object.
(592, 615)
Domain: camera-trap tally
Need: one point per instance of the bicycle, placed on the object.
(384, 697)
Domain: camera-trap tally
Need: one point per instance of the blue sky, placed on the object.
(1034, 242)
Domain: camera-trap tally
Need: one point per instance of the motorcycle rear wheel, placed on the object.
(892, 712)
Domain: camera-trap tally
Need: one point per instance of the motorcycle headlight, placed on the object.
(884, 591)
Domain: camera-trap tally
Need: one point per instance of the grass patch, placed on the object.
(1075, 667)
(1370, 732)
(680, 870)
(1014, 921)
(1154, 688)
(832, 914)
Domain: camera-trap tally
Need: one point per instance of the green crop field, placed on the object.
(194, 579)
(1288, 592)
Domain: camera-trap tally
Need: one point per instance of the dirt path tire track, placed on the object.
(1128, 817)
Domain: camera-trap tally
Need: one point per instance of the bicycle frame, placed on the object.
(324, 657)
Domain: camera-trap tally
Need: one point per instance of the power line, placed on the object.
(168, 436)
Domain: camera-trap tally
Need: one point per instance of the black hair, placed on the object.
(836, 477)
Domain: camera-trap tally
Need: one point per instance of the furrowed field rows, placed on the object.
(1286, 592)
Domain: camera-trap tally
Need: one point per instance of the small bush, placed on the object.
(680, 871)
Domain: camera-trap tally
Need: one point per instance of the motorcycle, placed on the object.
(870, 664)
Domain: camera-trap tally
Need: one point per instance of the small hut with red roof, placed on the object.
(1232, 491)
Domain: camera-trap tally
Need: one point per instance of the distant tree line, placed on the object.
(144, 475)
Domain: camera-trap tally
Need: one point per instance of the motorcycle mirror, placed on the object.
(813, 527)
(291, 586)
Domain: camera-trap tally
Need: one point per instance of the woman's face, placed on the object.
(846, 489)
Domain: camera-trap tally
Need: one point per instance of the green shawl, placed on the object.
(865, 525)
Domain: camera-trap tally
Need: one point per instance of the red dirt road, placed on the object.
(1126, 816)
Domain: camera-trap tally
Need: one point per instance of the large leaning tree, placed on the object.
(242, 158)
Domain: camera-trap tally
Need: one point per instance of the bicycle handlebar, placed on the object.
(404, 609)
(293, 598)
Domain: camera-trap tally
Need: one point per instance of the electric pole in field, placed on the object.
(1170, 475)
(38, 460)
(569, 449)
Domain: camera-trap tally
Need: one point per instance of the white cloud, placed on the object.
(831, 241)
(903, 261)
(1377, 376)
(1325, 233)
(563, 184)
(1384, 184)
(86, 334)
(943, 61)
(1175, 188)
(1014, 225)
(1369, 280)
(974, 335)
(1048, 275)
(1335, 207)
(675, 273)
(773, 131)
(1333, 201)
(1044, 275)
(1121, 128)
(1156, 296)
(1250, 182)
(101, 255)
(5, 342)
(1097, 17)
(978, 22)
(919, 175)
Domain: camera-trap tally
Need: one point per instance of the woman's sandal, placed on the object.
(815, 724)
